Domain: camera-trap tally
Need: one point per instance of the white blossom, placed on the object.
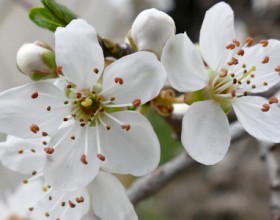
(88, 119)
(235, 71)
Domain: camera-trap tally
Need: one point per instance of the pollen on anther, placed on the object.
(34, 128)
(233, 61)
(96, 70)
(265, 60)
(136, 103)
(263, 42)
(79, 95)
(230, 46)
(34, 95)
(84, 159)
(49, 150)
(265, 107)
(249, 41)
(80, 199)
(71, 204)
(277, 69)
(236, 42)
(223, 73)
(273, 100)
(240, 52)
(126, 127)
(45, 134)
(119, 80)
(59, 70)
(101, 157)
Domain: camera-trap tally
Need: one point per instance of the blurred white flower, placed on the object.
(235, 71)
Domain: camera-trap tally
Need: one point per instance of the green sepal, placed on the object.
(59, 11)
(49, 59)
(199, 95)
(44, 19)
(36, 76)
(226, 106)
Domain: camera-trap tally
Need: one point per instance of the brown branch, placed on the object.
(271, 156)
(151, 184)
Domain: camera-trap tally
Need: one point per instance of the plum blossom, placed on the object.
(233, 72)
(86, 118)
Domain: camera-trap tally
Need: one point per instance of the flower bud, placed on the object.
(37, 60)
(150, 31)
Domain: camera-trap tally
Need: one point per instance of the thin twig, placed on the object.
(271, 156)
(149, 185)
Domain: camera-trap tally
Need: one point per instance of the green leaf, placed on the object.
(59, 11)
(43, 18)
(169, 146)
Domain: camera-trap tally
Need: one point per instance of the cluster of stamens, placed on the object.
(88, 107)
(49, 195)
(236, 79)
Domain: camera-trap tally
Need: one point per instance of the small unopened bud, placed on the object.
(37, 60)
(150, 31)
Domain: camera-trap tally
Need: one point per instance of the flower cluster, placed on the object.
(82, 120)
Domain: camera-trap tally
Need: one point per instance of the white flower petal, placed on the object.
(109, 199)
(64, 170)
(265, 72)
(23, 155)
(50, 201)
(136, 151)
(78, 53)
(9, 182)
(79, 210)
(216, 33)
(18, 110)
(205, 132)
(184, 65)
(262, 125)
(143, 78)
